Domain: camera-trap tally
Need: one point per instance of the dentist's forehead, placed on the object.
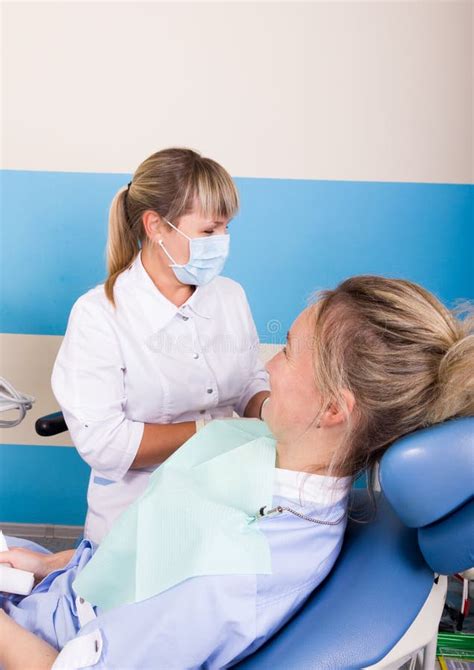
(201, 218)
(202, 215)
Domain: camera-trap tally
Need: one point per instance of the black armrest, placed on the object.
(52, 424)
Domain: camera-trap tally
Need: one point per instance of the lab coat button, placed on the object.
(210, 390)
(196, 355)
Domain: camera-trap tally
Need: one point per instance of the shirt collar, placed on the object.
(307, 488)
(197, 302)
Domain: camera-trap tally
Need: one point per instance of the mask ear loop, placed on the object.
(160, 242)
(178, 230)
(173, 262)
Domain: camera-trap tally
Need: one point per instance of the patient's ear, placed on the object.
(337, 413)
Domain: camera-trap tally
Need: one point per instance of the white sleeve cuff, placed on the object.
(83, 651)
(109, 450)
(255, 387)
(124, 458)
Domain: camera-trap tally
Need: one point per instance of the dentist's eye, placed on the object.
(284, 350)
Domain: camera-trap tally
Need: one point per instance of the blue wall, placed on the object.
(42, 485)
(291, 237)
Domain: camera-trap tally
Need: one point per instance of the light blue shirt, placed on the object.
(204, 622)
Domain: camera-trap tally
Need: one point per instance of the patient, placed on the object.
(369, 362)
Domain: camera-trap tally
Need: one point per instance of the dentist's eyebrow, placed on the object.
(213, 224)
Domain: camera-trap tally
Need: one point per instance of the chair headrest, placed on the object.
(428, 474)
(448, 545)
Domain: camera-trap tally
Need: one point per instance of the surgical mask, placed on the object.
(207, 257)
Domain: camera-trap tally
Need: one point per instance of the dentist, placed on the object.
(165, 344)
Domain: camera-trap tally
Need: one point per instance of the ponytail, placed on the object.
(456, 375)
(122, 244)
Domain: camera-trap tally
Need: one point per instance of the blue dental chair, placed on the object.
(383, 600)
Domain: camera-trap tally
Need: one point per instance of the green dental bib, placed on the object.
(197, 517)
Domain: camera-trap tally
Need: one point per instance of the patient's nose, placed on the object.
(269, 364)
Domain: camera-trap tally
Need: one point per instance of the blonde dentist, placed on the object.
(165, 343)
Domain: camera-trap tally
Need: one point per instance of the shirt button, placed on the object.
(202, 411)
(196, 355)
(210, 390)
(185, 318)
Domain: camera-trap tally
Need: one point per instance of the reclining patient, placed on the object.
(240, 525)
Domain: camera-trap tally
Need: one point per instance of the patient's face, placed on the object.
(294, 400)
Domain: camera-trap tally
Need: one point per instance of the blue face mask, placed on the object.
(207, 257)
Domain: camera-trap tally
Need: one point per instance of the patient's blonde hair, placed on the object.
(169, 182)
(407, 359)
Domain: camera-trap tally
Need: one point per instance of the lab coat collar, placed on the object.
(196, 303)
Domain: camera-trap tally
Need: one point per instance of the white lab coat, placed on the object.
(148, 361)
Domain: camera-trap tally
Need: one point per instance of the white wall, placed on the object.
(324, 90)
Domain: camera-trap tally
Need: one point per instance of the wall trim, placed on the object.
(41, 530)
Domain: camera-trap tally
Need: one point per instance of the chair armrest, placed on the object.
(52, 424)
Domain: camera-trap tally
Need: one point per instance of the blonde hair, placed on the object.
(407, 359)
(169, 182)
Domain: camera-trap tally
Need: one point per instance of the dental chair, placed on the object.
(51, 424)
(381, 604)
